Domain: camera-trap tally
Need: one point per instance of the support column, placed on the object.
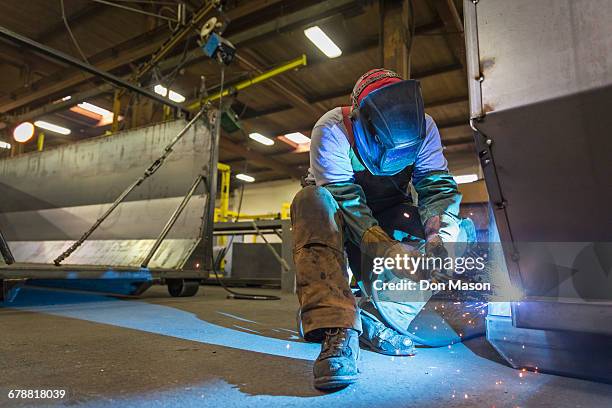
(40, 142)
(396, 35)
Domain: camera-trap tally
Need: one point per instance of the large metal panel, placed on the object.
(532, 51)
(542, 132)
(50, 198)
(97, 170)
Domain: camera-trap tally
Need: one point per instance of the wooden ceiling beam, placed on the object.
(69, 78)
(75, 19)
(346, 92)
(258, 158)
(454, 27)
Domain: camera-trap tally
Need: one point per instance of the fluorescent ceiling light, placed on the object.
(323, 42)
(4, 145)
(245, 177)
(172, 95)
(53, 128)
(258, 137)
(64, 99)
(103, 116)
(95, 109)
(465, 178)
(298, 138)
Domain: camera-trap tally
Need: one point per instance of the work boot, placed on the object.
(336, 366)
(382, 339)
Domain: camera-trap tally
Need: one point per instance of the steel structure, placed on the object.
(540, 88)
(52, 197)
(59, 204)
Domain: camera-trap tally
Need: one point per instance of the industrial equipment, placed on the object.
(53, 196)
(85, 207)
(213, 45)
(540, 90)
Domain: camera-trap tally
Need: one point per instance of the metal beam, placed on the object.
(60, 56)
(294, 98)
(263, 76)
(347, 91)
(147, 44)
(55, 85)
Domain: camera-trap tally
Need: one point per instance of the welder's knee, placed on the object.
(316, 219)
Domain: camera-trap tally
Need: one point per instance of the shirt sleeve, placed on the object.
(430, 157)
(330, 160)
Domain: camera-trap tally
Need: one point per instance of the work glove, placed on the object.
(434, 247)
(375, 243)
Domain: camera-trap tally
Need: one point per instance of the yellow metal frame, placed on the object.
(293, 64)
(224, 214)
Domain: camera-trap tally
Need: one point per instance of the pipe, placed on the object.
(179, 210)
(296, 63)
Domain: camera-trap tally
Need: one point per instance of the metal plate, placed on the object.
(50, 198)
(96, 171)
(531, 51)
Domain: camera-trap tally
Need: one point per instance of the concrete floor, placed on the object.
(206, 350)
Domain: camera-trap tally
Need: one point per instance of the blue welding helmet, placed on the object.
(389, 127)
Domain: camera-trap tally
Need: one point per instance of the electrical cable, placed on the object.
(216, 262)
(74, 41)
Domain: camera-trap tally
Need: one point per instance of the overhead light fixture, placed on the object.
(95, 109)
(52, 127)
(245, 177)
(23, 132)
(64, 99)
(5, 145)
(465, 178)
(298, 138)
(169, 93)
(258, 137)
(323, 42)
(103, 116)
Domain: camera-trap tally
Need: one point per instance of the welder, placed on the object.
(363, 158)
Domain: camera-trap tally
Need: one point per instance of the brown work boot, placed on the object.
(336, 366)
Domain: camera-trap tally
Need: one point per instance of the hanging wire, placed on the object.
(74, 41)
(216, 262)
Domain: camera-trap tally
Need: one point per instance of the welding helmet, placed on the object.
(389, 127)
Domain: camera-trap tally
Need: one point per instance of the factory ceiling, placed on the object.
(266, 33)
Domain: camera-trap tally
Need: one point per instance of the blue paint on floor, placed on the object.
(144, 316)
(444, 377)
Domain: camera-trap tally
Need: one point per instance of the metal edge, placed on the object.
(474, 76)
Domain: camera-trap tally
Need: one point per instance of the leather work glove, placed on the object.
(375, 243)
(434, 247)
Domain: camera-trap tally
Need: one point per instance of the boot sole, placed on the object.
(334, 382)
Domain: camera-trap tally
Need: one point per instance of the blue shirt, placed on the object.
(331, 159)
